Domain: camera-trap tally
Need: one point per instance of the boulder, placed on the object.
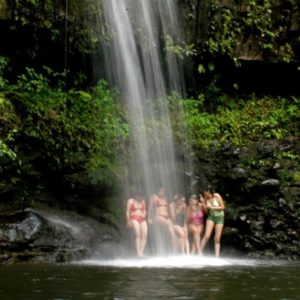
(42, 236)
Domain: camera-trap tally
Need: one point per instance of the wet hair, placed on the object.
(194, 196)
(207, 193)
(177, 197)
(210, 189)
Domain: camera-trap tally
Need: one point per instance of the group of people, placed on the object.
(189, 225)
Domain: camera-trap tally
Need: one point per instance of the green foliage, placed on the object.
(201, 127)
(70, 23)
(3, 64)
(224, 31)
(110, 130)
(258, 29)
(6, 153)
(296, 177)
(181, 51)
(48, 129)
(287, 155)
(40, 19)
(289, 174)
(8, 120)
(237, 121)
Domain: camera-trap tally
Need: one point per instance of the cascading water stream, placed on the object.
(136, 61)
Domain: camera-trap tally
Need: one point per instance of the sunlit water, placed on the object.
(153, 278)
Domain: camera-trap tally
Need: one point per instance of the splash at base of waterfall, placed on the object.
(186, 262)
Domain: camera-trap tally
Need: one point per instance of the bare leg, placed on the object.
(170, 228)
(194, 230)
(197, 238)
(191, 231)
(199, 229)
(135, 225)
(208, 231)
(172, 235)
(186, 242)
(181, 235)
(144, 234)
(218, 234)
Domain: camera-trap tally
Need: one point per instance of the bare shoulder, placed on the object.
(200, 205)
(154, 197)
(217, 195)
(130, 200)
(220, 199)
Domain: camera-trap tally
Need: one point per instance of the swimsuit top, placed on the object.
(215, 213)
(134, 207)
(159, 203)
(215, 203)
(180, 218)
(197, 217)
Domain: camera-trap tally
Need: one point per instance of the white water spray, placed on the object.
(137, 62)
(186, 262)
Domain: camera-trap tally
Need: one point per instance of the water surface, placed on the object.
(158, 278)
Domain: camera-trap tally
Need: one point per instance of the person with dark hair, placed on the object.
(178, 216)
(195, 221)
(214, 204)
(136, 220)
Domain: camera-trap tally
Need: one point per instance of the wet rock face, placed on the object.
(27, 236)
(27, 226)
(262, 195)
(30, 236)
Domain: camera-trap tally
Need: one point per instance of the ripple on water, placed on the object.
(91, 295)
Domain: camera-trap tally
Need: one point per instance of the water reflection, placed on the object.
(231, 279)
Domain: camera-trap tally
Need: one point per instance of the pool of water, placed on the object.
(153, 278)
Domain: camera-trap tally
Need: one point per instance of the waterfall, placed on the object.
(136, 61)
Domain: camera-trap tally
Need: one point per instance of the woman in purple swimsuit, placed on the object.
(195, 220)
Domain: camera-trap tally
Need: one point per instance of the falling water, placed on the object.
(137, 62)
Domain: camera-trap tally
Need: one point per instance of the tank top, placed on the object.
(215, 213)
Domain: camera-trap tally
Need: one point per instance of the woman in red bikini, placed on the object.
(195, 220)
(136, 220)
(160, 205)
